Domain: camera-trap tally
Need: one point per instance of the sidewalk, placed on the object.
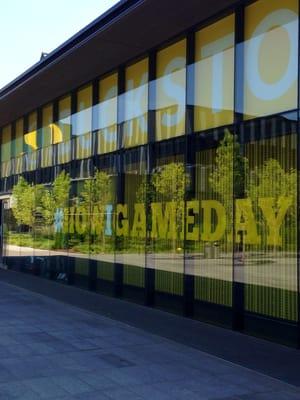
(51, 350)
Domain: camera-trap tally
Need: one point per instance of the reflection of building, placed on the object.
(170, 161)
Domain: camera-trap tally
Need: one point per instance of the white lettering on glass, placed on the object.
(279, 19)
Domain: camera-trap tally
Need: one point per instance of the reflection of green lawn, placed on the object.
(161, 248)
(43, 242)
(29, 240)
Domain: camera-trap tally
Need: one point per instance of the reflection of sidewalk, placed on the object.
(13, 250)
(271, 269)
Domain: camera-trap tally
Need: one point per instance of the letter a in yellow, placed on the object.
(139, 222)
(274, 219)
(245, 222)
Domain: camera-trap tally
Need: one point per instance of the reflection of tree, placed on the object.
(24, 203)
(56, 197)
(96, 195)
(97, 191)
(145, 191)
(169, 183)
(34, 206)
(228, 176)
(270, 180)
(232, 178)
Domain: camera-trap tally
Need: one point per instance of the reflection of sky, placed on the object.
(106, 112)
(65, 121)
(208, 79)
(268, 94)
(135, 102)
(253, 78)
(292, 116)
(82, 122)
(170, 90)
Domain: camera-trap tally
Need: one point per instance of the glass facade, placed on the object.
(271, 57)
(214, 75)
(136, 104)
(170, 92)
(172, 181)
(106, 115)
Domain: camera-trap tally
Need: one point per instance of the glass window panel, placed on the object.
(82, 122)
(106, 121)
(136, 104)
(131, 221)
(25, 198)
(62, 130)
(30, 138)
(103, 226)
(214, 75)
(170, 91)
(18, 146)
(6, 143)
(19, 137)
(58, 226)
(21, 227)
(267, 227)
(37, 231)
(5, 150)
(46, 136)
(166, 247)
(9, 234)
(47, 122)
(210, 246)
(30, 142)
(83, 117)
(79, 229)
(64, 121)
(271, 57)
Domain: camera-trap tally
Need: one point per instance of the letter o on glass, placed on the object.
(262, 90)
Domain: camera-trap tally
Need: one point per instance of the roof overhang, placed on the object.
(126, 31)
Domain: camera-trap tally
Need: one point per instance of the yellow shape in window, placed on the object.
(57, 136)
(30, 139)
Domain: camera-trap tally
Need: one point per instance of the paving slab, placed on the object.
(53, 350)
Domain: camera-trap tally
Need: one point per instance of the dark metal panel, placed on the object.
(298, 192)
(238, 287)
(150, 272)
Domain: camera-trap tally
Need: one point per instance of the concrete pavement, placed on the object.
(52, 350)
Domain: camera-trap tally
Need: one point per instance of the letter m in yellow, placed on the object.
(163, 223)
